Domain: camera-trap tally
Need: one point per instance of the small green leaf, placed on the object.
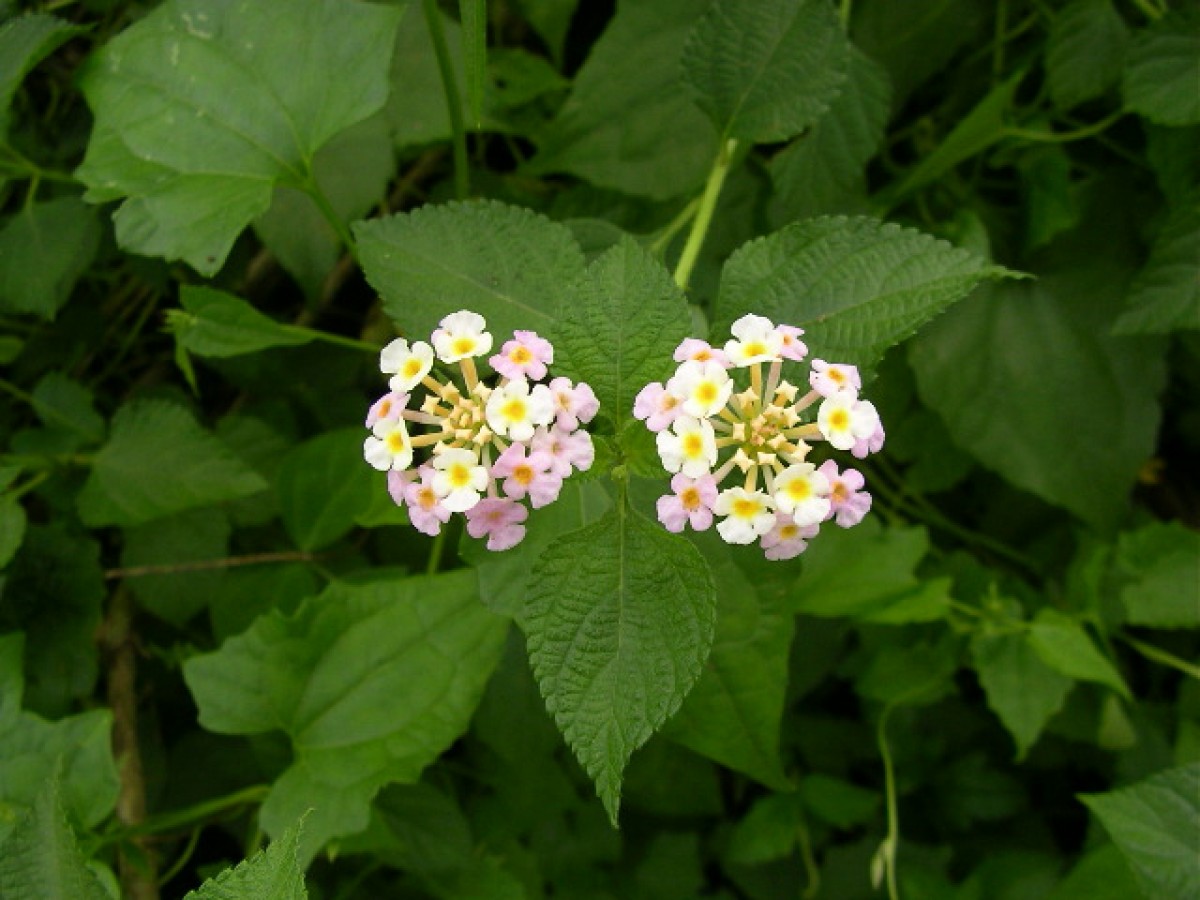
(1165, 296)
(1084, 51)
(198, 535)
(12, 528)
(66, 404)
(1156, 824)
(158, 461)
(766, 71)
(216, 324)
(369, 682)
(505, 263)
(856, 285)
(202, 108)
(619, 620)
(1160, 560)
(1063, 645)
(44, 249)
(619, 325)
(1101, 875)
(41, 860)
(840, 803)
(1161, 69)
(324, 486)
(768, 831)
(24, 42)
(272, 874)
(1022, 689)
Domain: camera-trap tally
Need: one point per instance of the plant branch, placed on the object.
(204, 565)
(704, 213)
(433, 17)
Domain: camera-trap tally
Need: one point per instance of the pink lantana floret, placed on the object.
(425, 510)
(499, 520)
(793, 348)
(398, 482)
(566, 449)
(525, 356)
(691, 504)
(873, 442)
(848, 501)
(829, 378)
(527, 474)
(389, 406)
(696, 350)
(656, 406)
(573, 403)
(787, 540)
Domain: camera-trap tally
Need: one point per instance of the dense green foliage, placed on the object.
(230, 666)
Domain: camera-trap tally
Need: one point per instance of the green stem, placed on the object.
(811, 870)
(182, 859)
(844, 13)
(998, 40)
(191, 815)
(1062, 137)
(42, 409)
(1158, 655)
(23, 166)
(21, 490)
(435, 552)
(1150, 9)
(433, 18)
(887, 849)
(328, 337)
(704, 214)
(340, 228)
(674, 227)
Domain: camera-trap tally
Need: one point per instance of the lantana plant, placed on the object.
(472, 448)
(759, 439)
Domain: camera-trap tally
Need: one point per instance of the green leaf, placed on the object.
(324, 486)
(1161, 561)
(766, 71)
(1101, 875)
(618, 326)
(629, 125)
(1162, 67)
(733, 714)
(473, 14)
(1022, 689)
(41, 860)
(416, 111)
(12, 528)
(551, 19)
(1165, 296)
(370, 683)
(505, 263)
(1084, 51)
(856, 285)
(1063, 645)
(193, 536)
(619, 620)
(61, 403)
(216, 324)
(272, 874)
(24, 42)
(44, 249)
(248, 592)
(838, 802)
(824, 170)
(34, 749)
(158, 461)
(768, 831)
(1156, 824)
(202, 108)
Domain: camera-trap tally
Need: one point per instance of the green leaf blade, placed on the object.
(272, 874)
(1165, 296)
(1063, 645)
(24, 42)
(44, 249)
(324, 487)
(220, 325)
(1162, 68)
(1084, 51)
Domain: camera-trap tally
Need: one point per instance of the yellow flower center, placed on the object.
(799, 489)
(523, 474)
(521, 355)
(839, 419)
(412, 367)
(754, 348)
(463, 345)
(836, 376)
(690, 498)
(426, 498)
(514, 410)
(706, 392)
(787, 532)
(396, 441)
(693, 445)
(385, 409)
(459, 475)
(745, 509)
(839, 492)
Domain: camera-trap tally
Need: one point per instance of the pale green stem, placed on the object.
(1062, 137)
(191, 815)
(435, 552)
(844, 12)
(704, 214)
(339, 340)
(433, 17)
(811, 870)
(1158, 655)
(335, 221)
(674, 227)
(888, 848)
(1149, 8)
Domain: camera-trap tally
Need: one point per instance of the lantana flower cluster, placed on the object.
(759, 440)
(467, 447)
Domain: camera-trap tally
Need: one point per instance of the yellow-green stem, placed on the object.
(433, 18)
(704, 214)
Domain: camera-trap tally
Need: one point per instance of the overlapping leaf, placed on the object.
(272, 874)
(1084, 51)
(24, 42)
(1161, 69)
(1165, 296)
(44, 249)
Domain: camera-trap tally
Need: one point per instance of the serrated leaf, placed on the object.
(856, 285)
(63, 403)
(1022, 689)
(1103, 874)
(1165, 296)
(158, 461)
(193, 536)
(628, 125)
(618, 326)
(823, 171)
(272, 874)
(216, 324)
(370, 683)
(619, 620)
(1162, 561)
(1084, 51)
(765, 71)
(12, 528)
(1063, 645)
(505, 263)
(24, 42)
(1156, 824)
(203, 107)
(1162, 67)
(34, 749)
(41, 860)
(733, 713)
(44, 249)
(324, 486)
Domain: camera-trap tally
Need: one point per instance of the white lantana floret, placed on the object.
(755, 341)
(748, 515)
(458, 478)
(690, 447)
(803, 493)
(514, 410)
(844, 419)
(461, 336)
(704, 386)
(406, 364)
(389, 446)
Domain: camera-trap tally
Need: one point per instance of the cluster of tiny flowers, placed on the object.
(482, 449)
(706, 430)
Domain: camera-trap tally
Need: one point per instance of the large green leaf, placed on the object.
(1022, 690)
(856, 285)
(619, 620)
(1156, 824)
(214, 323)
(765, 71)
(618, 326)
(44, 249)
(733, 714)
(158, 461)
(1062, 644)
(824, 170)
(41, 860)
(324, 487)
(507, 264)
(369, 682)
(24, 42)
(1165, 296)
(272, 874)
(628, 125)
(203, 107)
(12, 528)
(1101, 875)
(1162, 68)
(1161, 562)
(198, 535)
(1084, 51)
